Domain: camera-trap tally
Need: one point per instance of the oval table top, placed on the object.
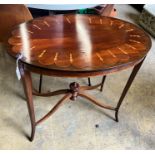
(79, 43)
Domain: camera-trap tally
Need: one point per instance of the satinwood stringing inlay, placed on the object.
(79, 42)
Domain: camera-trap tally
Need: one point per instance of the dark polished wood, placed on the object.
(89, 82)
(40, 82)
(102, 84)
(76, 46)
(128, 84)
(79, 43)
(60, 102)
(27, 84)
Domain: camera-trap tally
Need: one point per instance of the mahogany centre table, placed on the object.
(76, 46)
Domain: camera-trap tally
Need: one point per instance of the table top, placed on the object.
(79, 43)
(61, 6)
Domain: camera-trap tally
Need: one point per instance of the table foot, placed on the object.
(32, 133)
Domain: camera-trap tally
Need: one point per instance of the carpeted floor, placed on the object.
(79, 124)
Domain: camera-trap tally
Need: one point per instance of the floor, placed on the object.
(80, 125)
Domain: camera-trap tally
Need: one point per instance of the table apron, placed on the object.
(75, 74)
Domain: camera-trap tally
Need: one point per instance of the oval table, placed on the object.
(76, 46)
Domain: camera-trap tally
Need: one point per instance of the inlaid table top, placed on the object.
(80, 43)
(75, 46)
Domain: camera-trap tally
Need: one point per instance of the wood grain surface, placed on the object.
(79, 43)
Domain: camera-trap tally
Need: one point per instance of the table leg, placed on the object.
(102, 83)
(40, 82)
(89, 82)
(27, 84)
(128, 84)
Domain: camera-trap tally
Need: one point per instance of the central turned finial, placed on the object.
(74, 88)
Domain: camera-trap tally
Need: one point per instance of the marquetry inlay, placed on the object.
(79, 42)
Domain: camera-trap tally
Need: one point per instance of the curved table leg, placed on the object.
(128, 84)
(27, 84)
